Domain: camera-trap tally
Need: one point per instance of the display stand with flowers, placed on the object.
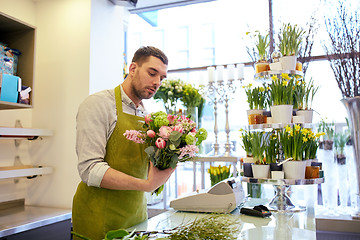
(288, 143)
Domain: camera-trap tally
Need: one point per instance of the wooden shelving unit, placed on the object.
(19, 35)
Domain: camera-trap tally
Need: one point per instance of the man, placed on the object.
(114, 171)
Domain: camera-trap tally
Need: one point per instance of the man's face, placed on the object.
(147, 78)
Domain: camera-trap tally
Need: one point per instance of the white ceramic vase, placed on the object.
(281, 113)
(294, 169)
(261, 171)
(288, 62)
(307, 114)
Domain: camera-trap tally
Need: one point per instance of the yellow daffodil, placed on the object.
(285, 76)
(284, 83)
(274, 77)
(305, 139)
(297, 127)
(288, 129)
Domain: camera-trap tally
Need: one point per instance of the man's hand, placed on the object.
(157, 177)
(117, 180)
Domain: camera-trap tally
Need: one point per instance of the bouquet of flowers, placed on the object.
(169, 138)
(170, 92)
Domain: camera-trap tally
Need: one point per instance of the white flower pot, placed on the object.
(307, 114)
(248, 160)
(275, 66)
(261, 171)
(277, 175)
(288, 62)
(298, 119)
(294, 169)
(281, 113)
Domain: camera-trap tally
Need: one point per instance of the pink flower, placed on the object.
(148, 119)
(189, 150)
(151, 133)
(165, 131)
(171, 118)
(134, 136)
(160, 143)
(194, 130)
(178, 128)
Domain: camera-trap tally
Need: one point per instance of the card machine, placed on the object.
(223, 197)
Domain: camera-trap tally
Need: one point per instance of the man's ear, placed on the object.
(132, 68)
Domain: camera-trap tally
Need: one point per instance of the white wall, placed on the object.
(106, 45)
(63, 75)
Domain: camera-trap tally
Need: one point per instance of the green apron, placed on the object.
(98, 210)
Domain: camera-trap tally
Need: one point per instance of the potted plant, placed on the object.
(261, 168)
(245, 143)
(343, 54)
(329, 136)
(193, 101)
(311, 144)
(170, 92)
(290, 38)
(218, 174)
(262, 43)
(280, 97)
(340, 140)
(256, 98)
(272, 151)
(292, 143)
(304, 96)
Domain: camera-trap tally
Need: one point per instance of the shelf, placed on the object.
(23, 171)
(277, 125)
(281, 182)
(206, 158)
(266, 74)
(10, 105)
(29, 133)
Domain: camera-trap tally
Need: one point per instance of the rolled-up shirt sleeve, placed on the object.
(95, 122)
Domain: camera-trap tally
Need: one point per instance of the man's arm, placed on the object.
(117, 180)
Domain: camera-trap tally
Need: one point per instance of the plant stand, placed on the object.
(281, 202)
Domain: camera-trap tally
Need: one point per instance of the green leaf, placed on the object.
(174, 160)
(150, 151)
(116, 234)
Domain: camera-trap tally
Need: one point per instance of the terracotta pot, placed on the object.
(255, 116)
(262, 67)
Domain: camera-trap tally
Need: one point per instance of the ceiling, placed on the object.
(146, 5)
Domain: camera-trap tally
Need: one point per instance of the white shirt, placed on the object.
(95, 122)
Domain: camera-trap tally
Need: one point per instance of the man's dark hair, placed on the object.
(143, 53)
